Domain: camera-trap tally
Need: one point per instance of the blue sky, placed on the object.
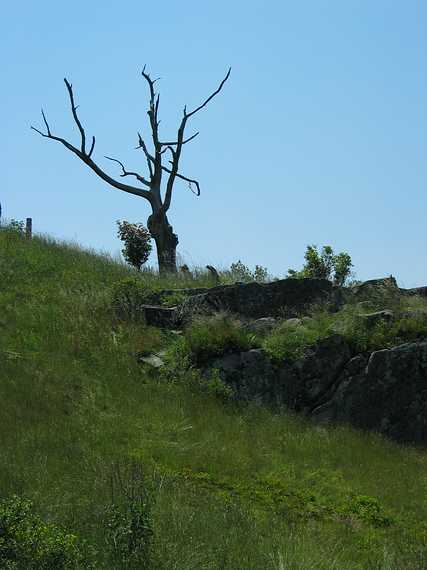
(319, 136)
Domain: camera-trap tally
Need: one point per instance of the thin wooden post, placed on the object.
(29, 228)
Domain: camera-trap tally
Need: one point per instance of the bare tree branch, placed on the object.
(154, 123)
(180, 141)
(127, 173)
(150, 158)
(157, 108)
(76, 119)
(92, 165)
(191, 180)
(46, 123)
(209, 98)
(183, 142)
(92, 147)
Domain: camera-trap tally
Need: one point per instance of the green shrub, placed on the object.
(240, 272)
(215, 336)
(29, 543)
(17, 226)
(289, 341)
(321, 267)
(368, 510)
(127, 296)
(13, 230)
(137, 240)
(176, 360)
(365, 337)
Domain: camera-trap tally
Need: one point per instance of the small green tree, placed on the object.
(241, 272)
(322, 266)
(137, 240)
(14, 227)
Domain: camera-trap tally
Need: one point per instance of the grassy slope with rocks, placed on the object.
(88, 435)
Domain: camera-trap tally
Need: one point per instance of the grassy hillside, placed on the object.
(150, 471)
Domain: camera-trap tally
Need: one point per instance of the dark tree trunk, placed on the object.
(166, 241)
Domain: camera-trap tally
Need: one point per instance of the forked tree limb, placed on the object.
(177, 142)
(154, 123)
(180, 142)
(209, 98)
(86, 157)
(150, 159)
(76, 118)
(128, 173)
(182, 177)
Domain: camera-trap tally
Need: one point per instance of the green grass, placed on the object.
(230, 486)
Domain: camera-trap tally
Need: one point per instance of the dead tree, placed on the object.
(150, 187)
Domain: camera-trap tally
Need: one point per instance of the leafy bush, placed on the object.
(289, 341)
(214, 336)
(137, 240)
(29, 543)
(321, 267)
(176, 361)
(240, 272)
(128, 295)
(17, 226)
(368, 510)
(14, 228)
(364, 337)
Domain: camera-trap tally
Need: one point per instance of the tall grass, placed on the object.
(230, 486)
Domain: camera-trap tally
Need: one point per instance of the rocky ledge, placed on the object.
(383, 391)
(284, 298)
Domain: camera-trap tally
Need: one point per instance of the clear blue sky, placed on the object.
(319, 136)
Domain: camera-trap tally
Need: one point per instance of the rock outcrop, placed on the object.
(284, 298)
(384, 391)
(373, 290)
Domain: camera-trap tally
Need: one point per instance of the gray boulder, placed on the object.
(154, 360)
(261, 326)
(371, 319)
(253, 376)
(158, 316)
